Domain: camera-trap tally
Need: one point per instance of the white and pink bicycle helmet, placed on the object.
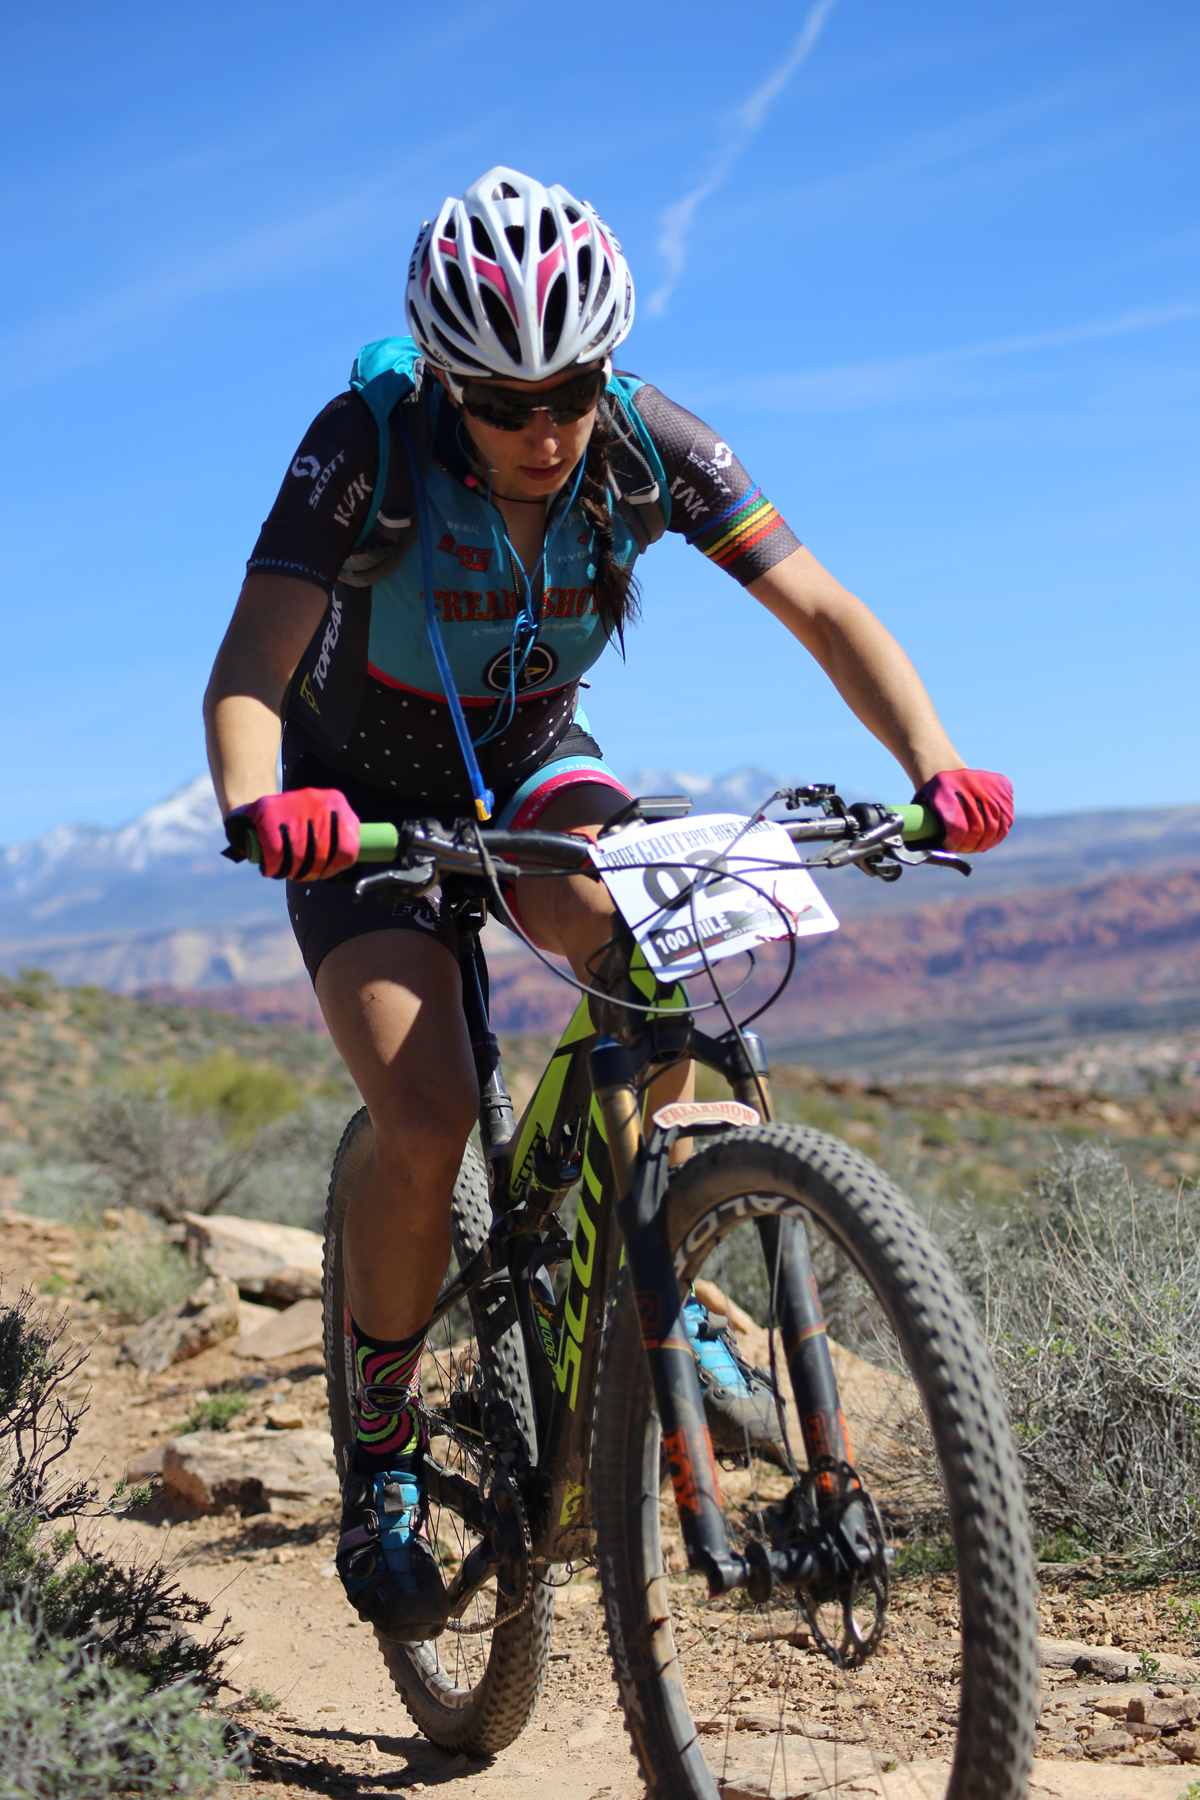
(517, 279)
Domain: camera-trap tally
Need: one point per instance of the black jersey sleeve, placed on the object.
(321, 507)
(714, 503)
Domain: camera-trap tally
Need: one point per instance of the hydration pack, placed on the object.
(389, 374)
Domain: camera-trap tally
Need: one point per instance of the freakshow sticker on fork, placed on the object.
(705, 1112)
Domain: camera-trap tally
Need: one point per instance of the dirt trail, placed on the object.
(309, 1678)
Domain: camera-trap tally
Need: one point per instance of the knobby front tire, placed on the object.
(725, 1695)
(466, 1693)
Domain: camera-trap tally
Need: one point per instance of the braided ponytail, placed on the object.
(617, 596)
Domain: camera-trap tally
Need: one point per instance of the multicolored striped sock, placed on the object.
(387, 1435)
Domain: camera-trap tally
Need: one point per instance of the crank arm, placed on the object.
(481, 1564)
(455, 1493)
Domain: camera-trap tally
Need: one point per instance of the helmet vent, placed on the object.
(500, 321)
(506, 191)
(483, 242)
(516, 238)
(455, 351)
(584, 265)
(556, 312)
(458, 288)
(443, 310)
(602, 290)
(573, 214)
(547, 231)
(450, 228)
(603, 331)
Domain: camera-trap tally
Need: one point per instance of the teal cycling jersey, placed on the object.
(367, 700)
(478, 593)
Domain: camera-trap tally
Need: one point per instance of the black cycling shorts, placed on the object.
(324, 914)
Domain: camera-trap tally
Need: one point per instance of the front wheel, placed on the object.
(474, 1689)
(724, 1695)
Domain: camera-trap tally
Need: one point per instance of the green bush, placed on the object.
(33, 988)
(136, 1275)
(216, 1412)
(242, 1096)
(72, 1725)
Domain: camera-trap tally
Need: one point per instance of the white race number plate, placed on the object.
(688, 877)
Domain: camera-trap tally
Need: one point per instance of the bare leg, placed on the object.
(393, 1004)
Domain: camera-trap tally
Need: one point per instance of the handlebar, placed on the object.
(379, 841)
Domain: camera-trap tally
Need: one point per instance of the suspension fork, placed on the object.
(496, 1122)
(641, 1181)
(795, 1298)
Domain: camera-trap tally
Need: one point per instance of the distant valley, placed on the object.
(1080, 923)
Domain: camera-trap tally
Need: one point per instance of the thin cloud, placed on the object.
(747, 122)
(854, 387)
(49, 347)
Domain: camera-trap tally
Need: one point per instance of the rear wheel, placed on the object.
(471, 1689)
(726, 1696)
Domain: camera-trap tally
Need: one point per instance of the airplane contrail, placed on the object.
(747, 123)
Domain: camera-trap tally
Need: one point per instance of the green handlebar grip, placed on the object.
(376, 843)
(921, 823)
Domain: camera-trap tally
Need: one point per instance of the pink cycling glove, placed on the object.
(304, 834)
(975, 806)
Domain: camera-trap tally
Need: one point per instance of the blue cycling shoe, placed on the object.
(739, 1402)
(383, 1555)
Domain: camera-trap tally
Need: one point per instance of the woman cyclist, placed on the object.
(541, 476)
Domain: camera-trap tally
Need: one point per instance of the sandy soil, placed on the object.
(309, 1679)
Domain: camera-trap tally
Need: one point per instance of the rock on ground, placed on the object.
(249, 1469)
(207, 1317)
(296, 1328)
(278, 1262)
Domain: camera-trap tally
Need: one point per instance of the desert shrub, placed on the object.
(136, 1275)
(57, 1190)
(32, 988)
(216, 1412)
(1090, 1296)
(289, 1176)
(72, 1725)
(242, 1096)
(53, 1574)
(145, 1148)
(149, 1152)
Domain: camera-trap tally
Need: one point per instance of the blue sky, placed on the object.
(934, 271)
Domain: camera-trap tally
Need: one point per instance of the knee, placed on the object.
(420, 1139)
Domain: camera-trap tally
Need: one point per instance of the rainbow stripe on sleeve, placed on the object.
(743, 525)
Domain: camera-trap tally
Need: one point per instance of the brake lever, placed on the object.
(886, 833)
(403, 884)
(883, 852)
(896, 852)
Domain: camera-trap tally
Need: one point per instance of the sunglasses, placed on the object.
(509, 410)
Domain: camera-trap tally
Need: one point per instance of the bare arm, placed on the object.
(862, 659)
(275, 617)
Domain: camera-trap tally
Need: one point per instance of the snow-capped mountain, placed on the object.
(739, 792)
(187, 823)
(164, 869)
(153, 903)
